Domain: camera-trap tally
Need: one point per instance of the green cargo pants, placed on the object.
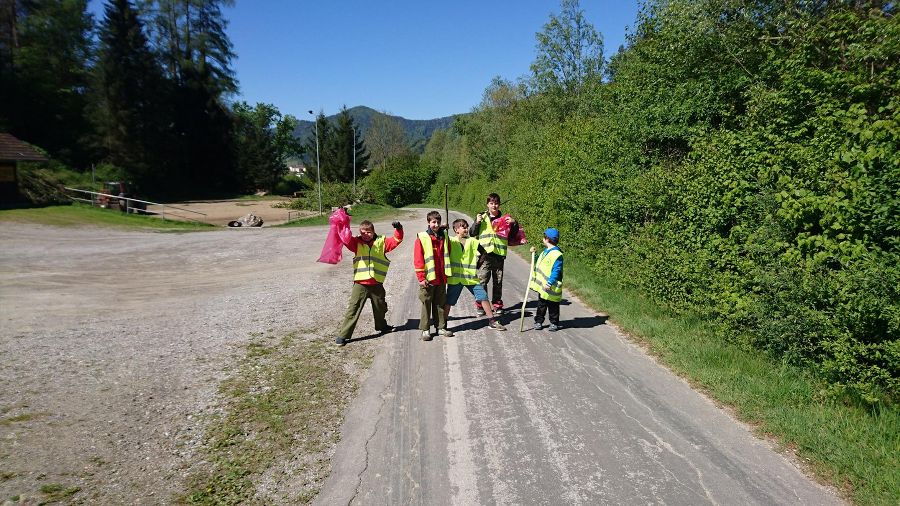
(358, 296)
(434, 298)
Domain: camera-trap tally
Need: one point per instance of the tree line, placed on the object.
(147, 90)
(736, 160)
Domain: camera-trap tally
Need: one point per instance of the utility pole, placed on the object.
(318, 167)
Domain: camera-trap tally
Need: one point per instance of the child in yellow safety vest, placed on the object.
(464, 273)
(431, 260)
(493, 248)
(370, 266)
(547, 281)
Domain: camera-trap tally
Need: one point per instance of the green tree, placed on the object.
(569, 52)
(385, 138)
(51, 47)
(131, 111)
(190, 37)
(262, 146)
(340, 148)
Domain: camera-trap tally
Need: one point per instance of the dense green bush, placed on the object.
(400, 180)
(289, 184)
(333, 195)
(740, 163)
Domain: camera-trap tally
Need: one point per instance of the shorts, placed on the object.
(454, 291)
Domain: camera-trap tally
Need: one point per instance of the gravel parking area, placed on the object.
(113, 343)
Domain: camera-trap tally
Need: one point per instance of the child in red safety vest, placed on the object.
(431, 260)
(547, 281)
(370, 266)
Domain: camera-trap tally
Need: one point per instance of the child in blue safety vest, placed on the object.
(464, 273)
(547, 281)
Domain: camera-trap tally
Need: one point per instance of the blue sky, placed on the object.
(419, 60)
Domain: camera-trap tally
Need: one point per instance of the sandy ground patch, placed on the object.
(220, 212)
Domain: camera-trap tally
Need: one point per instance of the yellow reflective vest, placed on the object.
(463, 260)
(428, 253)
(370, 261)
(490, 241)
(542, 269)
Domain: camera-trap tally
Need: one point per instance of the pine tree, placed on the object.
(48, 94)
(196, 54)
(340, 150)
(131, 113)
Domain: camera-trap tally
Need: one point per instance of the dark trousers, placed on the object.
(434, 298)
(543, 305)
(358, 297)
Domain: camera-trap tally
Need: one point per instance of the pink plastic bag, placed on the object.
(501, 228)
(519, 239)
(332, 251)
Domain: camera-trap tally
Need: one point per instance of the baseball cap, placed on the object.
(552, 233)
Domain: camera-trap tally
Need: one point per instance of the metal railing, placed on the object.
(129, 200)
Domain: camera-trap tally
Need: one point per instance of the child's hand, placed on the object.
(533, 249)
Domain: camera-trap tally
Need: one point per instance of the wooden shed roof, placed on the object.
(14, 150)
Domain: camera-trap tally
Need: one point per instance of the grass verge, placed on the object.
(359, 213)
(77, 215)
(282, 409)
(854, 448)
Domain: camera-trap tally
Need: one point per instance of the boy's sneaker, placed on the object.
(553, 327)
(494, 324)
(340, 341)
(478, 309)
(386, 330)
(537, 326)
(426, 335)
(445, 333)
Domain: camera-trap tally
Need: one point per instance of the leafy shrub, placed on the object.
(289, 184)
(400, 181)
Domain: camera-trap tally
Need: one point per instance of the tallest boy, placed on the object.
(492, 249)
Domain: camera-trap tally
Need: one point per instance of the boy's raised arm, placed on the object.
(392, 242)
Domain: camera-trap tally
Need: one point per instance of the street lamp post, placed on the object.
(318, 167)
(354, 159)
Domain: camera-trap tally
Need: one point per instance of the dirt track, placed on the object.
(113, 343)
(220, 212)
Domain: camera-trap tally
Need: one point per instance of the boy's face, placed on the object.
(366, 233)
(462, 230)
(434, 224)
(493, 206)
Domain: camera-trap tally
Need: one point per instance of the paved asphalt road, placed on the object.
(580, 416)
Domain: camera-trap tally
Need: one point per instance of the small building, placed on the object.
(13, 151)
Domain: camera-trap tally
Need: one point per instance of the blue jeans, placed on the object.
(454, 291)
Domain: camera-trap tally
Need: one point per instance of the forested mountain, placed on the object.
(417, 131)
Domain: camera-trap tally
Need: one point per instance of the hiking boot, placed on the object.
(494, 324)
(538, 326)
(445, 333)
(553, 327)
(426, 336)
(340, 341)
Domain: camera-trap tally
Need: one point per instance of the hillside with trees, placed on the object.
(416, 132)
